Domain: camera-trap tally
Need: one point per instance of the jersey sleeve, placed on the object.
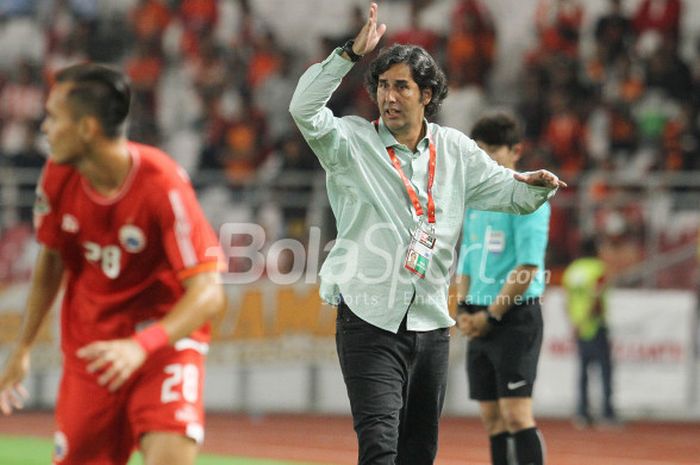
(46, 216)
(190, 243)
(531, 236)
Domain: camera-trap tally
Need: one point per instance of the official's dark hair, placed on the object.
(424, 71)
(497, 130)
(101, 92)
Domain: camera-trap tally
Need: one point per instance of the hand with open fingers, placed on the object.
(368, 37)
(113, 361)
(542, 178)
(12, 392)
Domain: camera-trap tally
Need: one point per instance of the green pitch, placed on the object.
(31, 451)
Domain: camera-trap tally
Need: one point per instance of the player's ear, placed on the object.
(88, 128)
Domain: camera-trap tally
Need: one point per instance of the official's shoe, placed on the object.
(582, 422)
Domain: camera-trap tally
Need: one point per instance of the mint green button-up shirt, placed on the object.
(374, 215)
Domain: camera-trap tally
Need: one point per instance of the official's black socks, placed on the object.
(499, 448)
(529, 447)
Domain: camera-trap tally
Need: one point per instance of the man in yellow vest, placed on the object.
(585, 283)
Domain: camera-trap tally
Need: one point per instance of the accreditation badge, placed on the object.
(420, 249)
(495, 241)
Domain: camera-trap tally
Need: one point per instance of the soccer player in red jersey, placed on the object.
(121, 229)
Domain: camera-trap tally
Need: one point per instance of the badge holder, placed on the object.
(420, 249)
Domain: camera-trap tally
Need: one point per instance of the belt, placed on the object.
(463, 307)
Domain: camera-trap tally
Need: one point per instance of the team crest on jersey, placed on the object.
(69, 223)
(60, 446)
(132, 238)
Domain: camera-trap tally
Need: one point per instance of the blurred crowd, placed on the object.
(212, 82)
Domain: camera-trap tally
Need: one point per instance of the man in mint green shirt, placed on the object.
(502, 279)
(388, 183)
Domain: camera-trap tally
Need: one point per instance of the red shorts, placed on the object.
(101, 428)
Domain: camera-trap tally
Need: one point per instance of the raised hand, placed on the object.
(368, 37)
(542, 178)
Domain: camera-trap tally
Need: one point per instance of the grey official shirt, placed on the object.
(374, 215)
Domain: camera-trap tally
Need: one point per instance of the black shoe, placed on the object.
(610, 422)
(582, 421)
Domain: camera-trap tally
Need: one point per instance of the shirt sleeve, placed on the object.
(323, 132)
(493, 187)
(46, 216)
(190, 244)
(531, 235)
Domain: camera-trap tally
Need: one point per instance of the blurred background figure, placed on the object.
(586, 282)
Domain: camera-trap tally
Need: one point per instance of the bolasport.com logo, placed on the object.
(246, 256)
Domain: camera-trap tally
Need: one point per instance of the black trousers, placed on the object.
(595, 351)
(396, 385)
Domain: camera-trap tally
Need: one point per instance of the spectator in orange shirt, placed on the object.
(471, 45)
(198, 17)
(558, 24)
(564, 135)
(149, 19)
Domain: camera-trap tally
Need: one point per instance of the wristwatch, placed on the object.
(347, 48)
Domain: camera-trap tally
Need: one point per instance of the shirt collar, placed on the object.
(389, 140)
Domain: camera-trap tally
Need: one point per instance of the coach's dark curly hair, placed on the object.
(424, 70)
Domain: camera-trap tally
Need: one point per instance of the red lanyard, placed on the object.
(409, 188)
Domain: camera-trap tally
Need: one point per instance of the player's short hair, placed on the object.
(497, 130)
(99, 91)
(424, 71)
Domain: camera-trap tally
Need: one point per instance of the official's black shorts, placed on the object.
(504, 362)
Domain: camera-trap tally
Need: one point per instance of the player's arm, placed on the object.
(202, 301)
(46, 281)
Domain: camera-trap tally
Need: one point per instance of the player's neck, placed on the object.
(107, 166)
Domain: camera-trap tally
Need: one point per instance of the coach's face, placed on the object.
(62, 127)
(401, 102)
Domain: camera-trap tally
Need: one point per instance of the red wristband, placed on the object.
(152, 338)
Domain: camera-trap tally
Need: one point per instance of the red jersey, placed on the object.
(124, 256)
